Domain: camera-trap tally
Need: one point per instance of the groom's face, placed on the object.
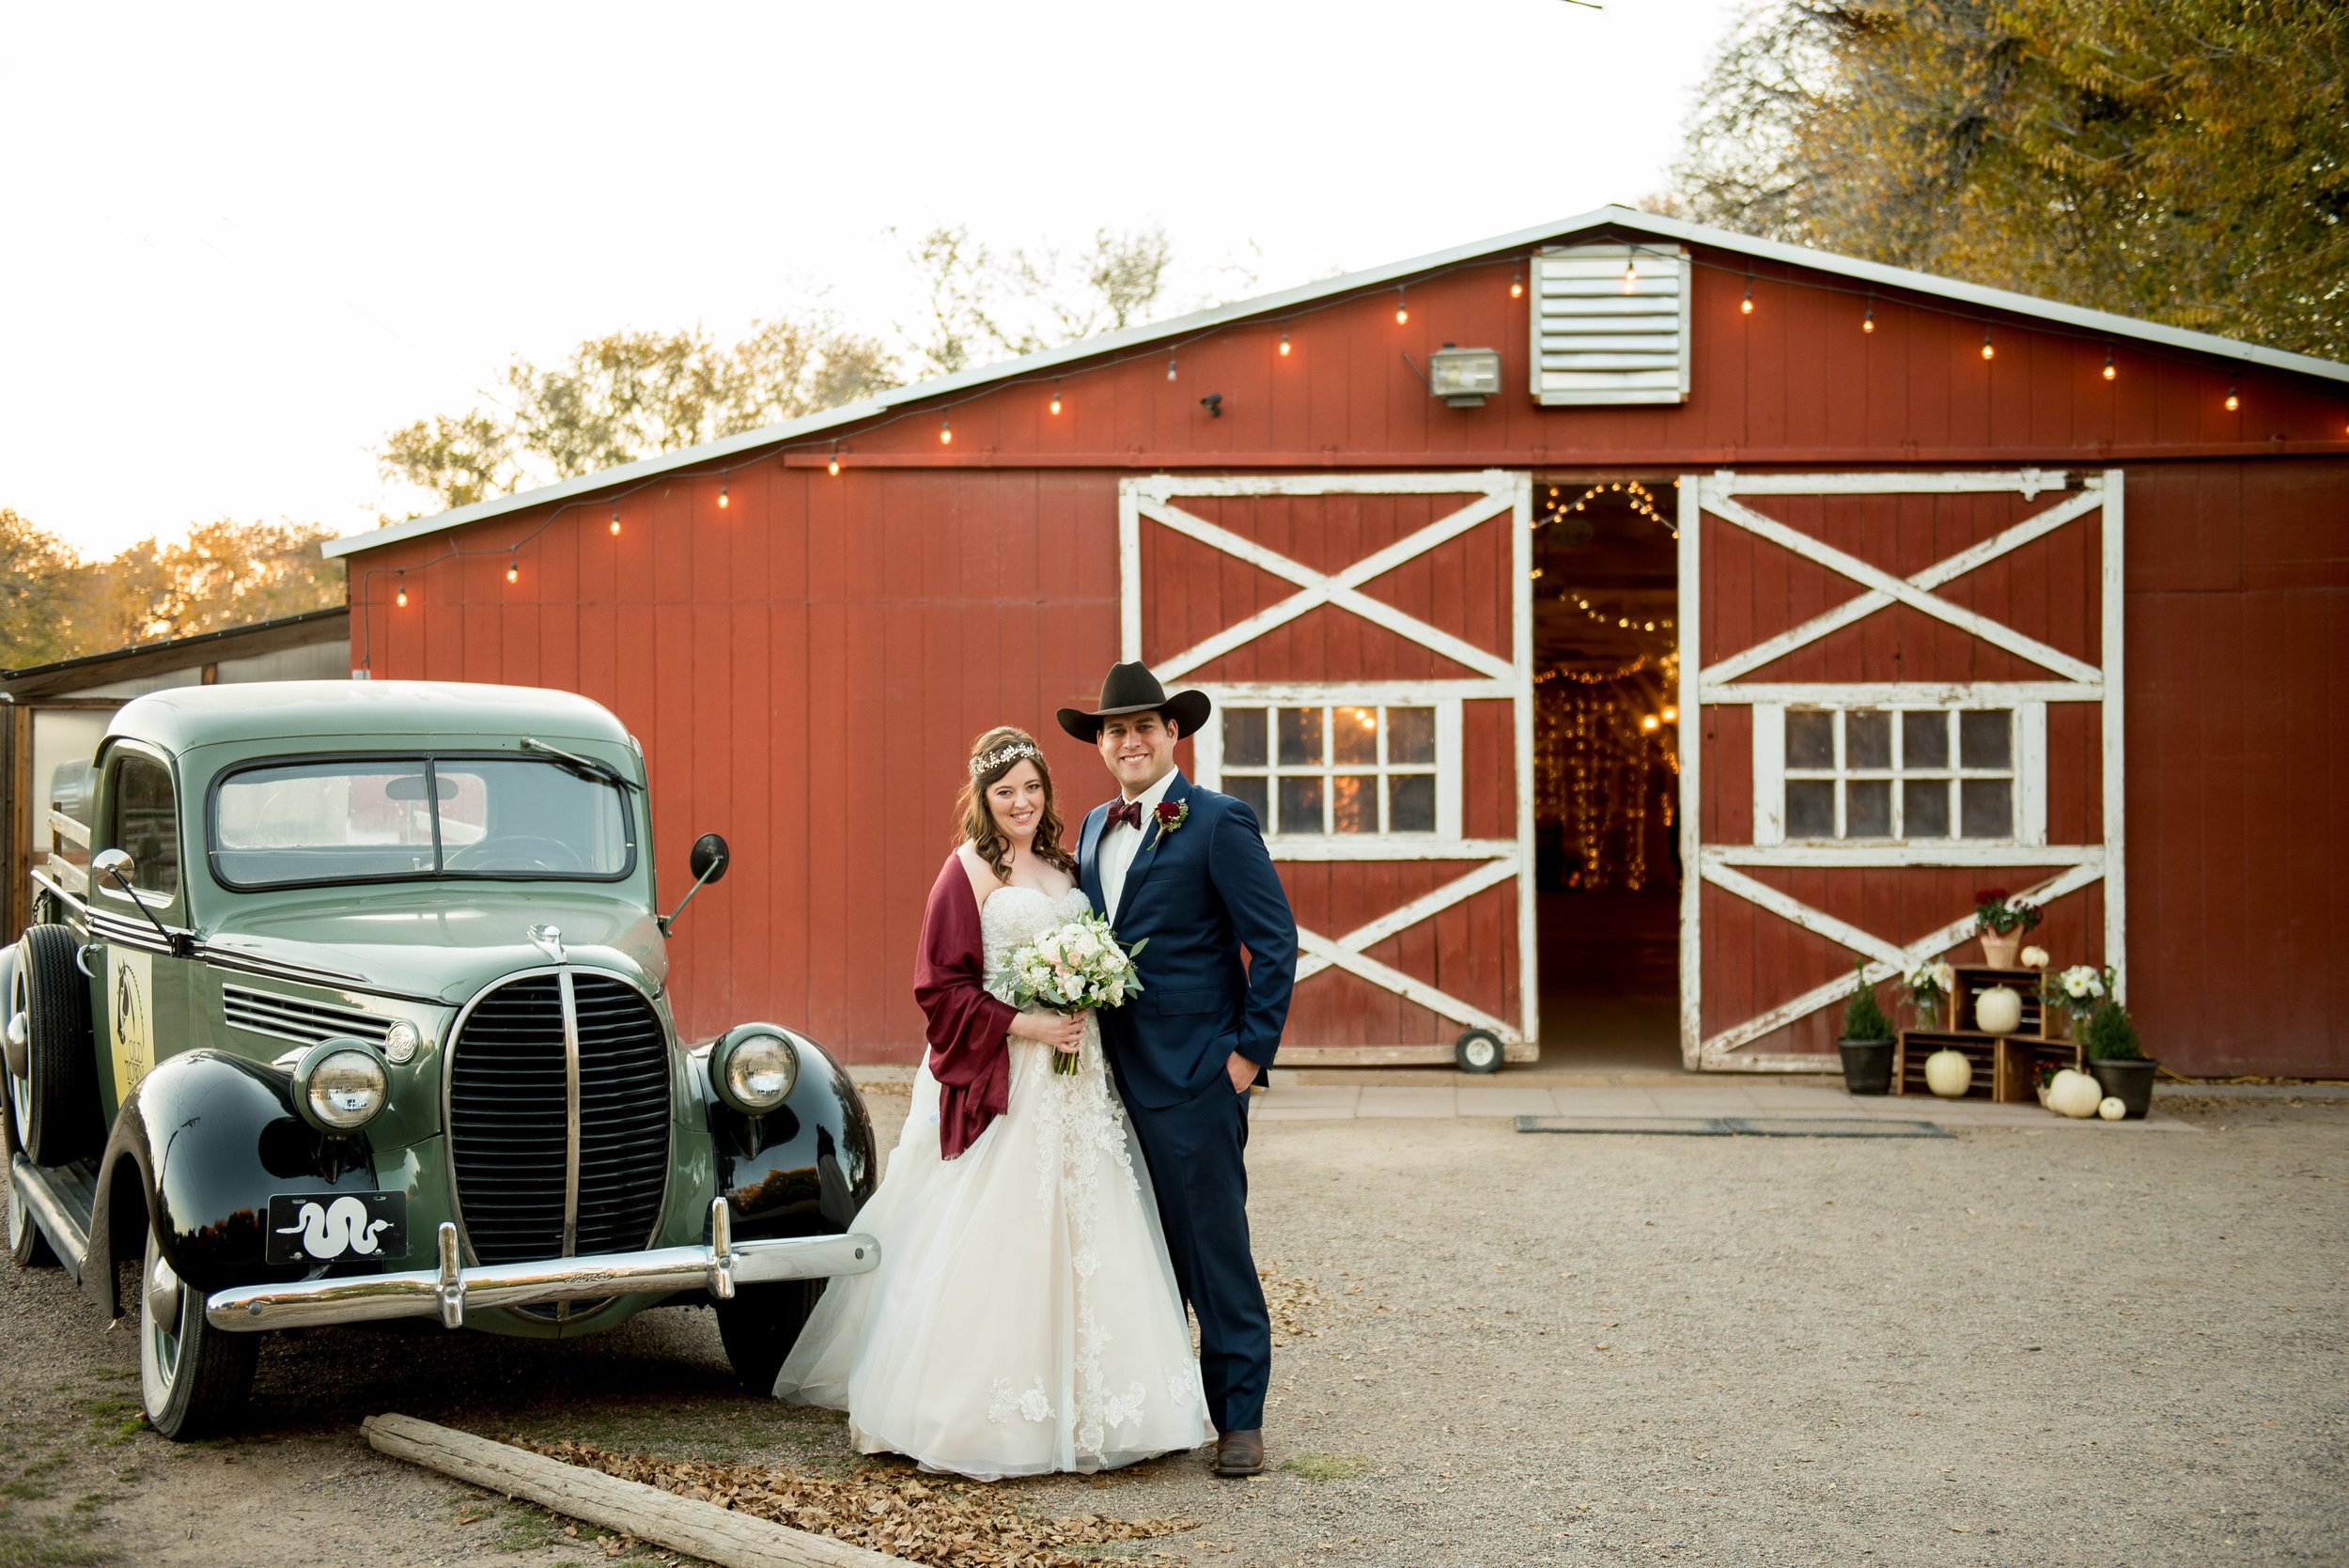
(1138, 749)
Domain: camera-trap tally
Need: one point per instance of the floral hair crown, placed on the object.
(1002, 756)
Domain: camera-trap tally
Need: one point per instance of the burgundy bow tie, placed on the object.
(1128, 812)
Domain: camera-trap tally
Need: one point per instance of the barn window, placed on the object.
(1897, 774)
(1341, 768)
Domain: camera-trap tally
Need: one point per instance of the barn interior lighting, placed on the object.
(401, 597)
(945, 430)
(1056, 394)
(1463, 378)
(2233, 402)
(615, 520)
(1648, 722)
(1987, 352)
(1517, 287)
(1671, 716)
(1746, 305)
(2108, 371)
(1285, 345)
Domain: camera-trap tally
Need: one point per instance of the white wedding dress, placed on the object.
(1024, 1318)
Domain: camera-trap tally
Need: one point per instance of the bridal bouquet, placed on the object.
(1075, 966)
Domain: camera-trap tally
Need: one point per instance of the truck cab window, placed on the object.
(146, 823)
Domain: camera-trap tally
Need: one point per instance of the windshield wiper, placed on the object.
(586, 765)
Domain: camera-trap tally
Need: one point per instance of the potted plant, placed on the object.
(2117, 1058)
(1867, 1042)
(2002, 920)
(1930, 987)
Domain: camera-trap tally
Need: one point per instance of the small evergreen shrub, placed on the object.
(2110, 1036)
(1862, 1019)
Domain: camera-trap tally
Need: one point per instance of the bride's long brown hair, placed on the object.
(974, 821)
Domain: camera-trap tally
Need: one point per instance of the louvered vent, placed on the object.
(305, 1023)
(1610, 324)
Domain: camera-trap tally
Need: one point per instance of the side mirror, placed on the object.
(709, 864)
(116, 863)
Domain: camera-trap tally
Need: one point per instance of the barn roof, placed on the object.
(1612, 219)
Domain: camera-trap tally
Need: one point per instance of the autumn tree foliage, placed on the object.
(2180, 160)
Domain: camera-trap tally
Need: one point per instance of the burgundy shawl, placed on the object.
(968, 1053)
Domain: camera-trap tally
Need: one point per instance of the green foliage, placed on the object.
(2111, 1034)
(1863, 1019)
(1328, 1466)
(2179, 160)
(53, 605)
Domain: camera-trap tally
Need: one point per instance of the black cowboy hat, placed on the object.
(1132, 688)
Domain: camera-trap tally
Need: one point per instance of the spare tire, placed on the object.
(54, 1104)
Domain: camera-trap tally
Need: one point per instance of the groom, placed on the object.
(1185, 869)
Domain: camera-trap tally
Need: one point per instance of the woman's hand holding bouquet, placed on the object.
(1075, 967)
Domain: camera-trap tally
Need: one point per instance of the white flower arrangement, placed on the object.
(1074, 967)
(2083, 986)
(1928, 983)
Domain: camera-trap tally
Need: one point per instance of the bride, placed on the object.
(1024, 1318)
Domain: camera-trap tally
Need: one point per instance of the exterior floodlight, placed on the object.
(1463, 378)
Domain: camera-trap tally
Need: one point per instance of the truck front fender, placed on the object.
(804, 1167)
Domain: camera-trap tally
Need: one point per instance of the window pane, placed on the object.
(1810, 739)
(1354, 736)
(1243, 737)
(1300, 805)
(1410, 737)
(1410, 802)
(320, 821)
(1354, 803)
(1809, 807)
(519, 817)
(1985, 738)
(1924, 806)
(1253, 791)
(1301, 737)
(1925, 741)
(1868, 808)
(1985, 809)
(147, 825)
(1867, 740)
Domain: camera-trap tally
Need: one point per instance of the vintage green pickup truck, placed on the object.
(347, 1003)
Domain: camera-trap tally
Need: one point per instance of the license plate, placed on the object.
(338, 1227)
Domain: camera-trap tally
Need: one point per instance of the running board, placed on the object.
(60, 1199)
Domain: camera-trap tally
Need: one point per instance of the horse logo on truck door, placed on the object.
(129, 1014)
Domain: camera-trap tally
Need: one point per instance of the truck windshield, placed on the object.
(378, 819)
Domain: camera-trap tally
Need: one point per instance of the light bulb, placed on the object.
(1987, 352)
(1648, 722)
(1746, 306)
(1169, 370)
(1867, 322)
(1285, 345)
(835, 465)
(722, 497)
(1401, 315)
(402, 600)
(2108, 370)
(513, 571)
(1517, 287)
(1056, 397)
(1630, 275)
(1671, 716)
(615, 520)
(2233, 401)
(945, 431)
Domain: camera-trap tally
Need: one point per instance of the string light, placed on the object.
(1402, 308)
(1285, 345)
(615, 520)
(1671, 716)
(1056, 394)
(721, 495)
(1987, 352)
(2108, 370)
(1868, 321)
(2233, 402)
(835, 460)
(1170, 369)
(1517, 287)
(945, 430)
(1637, 496)
(513, 568)
(401, 597)
(1630, 274)
(1746, 307)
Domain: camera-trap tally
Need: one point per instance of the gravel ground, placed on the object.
(2009, 1347)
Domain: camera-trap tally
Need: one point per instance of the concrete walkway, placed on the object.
(1306, 1102)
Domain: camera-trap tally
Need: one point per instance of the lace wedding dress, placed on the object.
(1024, 1318)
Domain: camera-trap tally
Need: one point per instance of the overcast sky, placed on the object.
(243, 242)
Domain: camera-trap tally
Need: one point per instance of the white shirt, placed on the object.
(1119, 843)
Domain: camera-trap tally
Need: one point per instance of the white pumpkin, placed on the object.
(1949, 1073)
(2075, 1094)
(1998, 1010)
(2113, 1110)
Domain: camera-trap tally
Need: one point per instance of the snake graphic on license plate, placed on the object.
(324, 1227)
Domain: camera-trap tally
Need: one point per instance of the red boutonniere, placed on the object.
(1171, 816)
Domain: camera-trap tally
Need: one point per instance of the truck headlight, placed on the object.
(753, 1067)
(341, 1085)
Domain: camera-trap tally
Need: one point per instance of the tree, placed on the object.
(982, 304)
(2181, 161)
(40, 585)
(629, 395)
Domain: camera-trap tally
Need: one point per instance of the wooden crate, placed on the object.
(2006, 1067)
(1974, 979)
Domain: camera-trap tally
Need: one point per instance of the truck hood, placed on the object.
(446, 941)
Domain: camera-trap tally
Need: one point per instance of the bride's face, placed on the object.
(1017, 802)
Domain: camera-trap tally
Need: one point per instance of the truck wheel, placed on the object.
(761, 1324)
(54, 1103)
(193, 1378)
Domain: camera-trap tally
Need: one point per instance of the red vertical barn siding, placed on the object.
(805, 666)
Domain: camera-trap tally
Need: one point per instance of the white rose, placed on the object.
(1047, 948)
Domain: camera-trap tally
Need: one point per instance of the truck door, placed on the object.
(139, 997)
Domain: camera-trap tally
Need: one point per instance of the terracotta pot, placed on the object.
(1949, 1073)
(1998, 1010)
(1999, 951)
(1867, 1065)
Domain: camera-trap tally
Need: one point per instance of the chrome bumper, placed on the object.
(446, 1290)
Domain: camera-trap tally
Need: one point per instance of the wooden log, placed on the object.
(648, 1514)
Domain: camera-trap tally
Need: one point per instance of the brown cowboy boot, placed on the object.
(1239, 1453)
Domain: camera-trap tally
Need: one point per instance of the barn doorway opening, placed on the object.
(1607, 678)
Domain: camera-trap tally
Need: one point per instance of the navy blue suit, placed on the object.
(1199, 896)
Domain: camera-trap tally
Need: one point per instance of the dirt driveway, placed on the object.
(2005, 1347)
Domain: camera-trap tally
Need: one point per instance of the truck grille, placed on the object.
(508, 1077)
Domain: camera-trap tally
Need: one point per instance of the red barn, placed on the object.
(1618, 608)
